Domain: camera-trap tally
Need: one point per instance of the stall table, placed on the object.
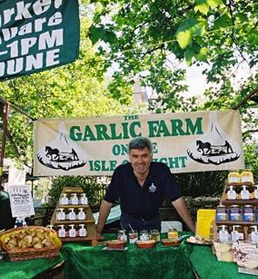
(86, 262)
(207, 266)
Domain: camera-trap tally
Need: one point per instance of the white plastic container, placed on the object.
(72, 215)
(232, 193)
(81, 215)
(61, 232)
(245, 194)
(72, 231)
(64, 200)
(74, 199)
(60, 215)
(83, 199)
(82, 231)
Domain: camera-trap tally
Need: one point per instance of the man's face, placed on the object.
(140, 160)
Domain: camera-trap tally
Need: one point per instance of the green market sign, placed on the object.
(186, 142)
(36, 35)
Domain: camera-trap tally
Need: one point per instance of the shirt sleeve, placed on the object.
(113, 190)
(171, 190)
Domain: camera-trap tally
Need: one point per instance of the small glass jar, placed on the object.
(144, 235)
(248, 213)
(122, 235)
(234, 177)
(172, 234)
(223, 233)
(155, 235)
(247, 177)
(221, 213)
(234, 213)
(133, 237)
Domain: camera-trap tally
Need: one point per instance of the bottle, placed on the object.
(83, 199)
(245, 194)
(74, 199)
(223, 233)
(24, 223)
(60, 215)
(72, 231)
(82, 231)
(81, 215)
(72, 215)
(64, 200)
(155, 235)
(256, 191)
(231, 193)
(18, 222)
(61, 232)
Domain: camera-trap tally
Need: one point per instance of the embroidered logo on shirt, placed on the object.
(152, 188)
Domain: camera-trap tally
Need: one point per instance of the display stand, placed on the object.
(89, 222)
(240, 202)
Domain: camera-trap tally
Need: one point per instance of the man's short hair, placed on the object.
(140, 143)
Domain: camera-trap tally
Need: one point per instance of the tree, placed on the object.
(73, 90)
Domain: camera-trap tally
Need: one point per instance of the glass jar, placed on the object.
(122, 235)
(221, 213)
(248, 213)
(247, 177)
(172, 233)
(234, 177)
(144, 235)
(155, 235)
(234, 213)
(133, 237)
(223, 233)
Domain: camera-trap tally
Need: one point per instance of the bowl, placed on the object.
(115, 244)
(147, 244)
(170, 241)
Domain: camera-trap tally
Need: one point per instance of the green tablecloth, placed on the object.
(208, 267)
(86, 262)
(26, 269)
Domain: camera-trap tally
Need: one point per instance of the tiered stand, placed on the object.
(240, 203)
(89, 222)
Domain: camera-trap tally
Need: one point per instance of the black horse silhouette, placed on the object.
(52, 153)
(55, 155)
(208, 149)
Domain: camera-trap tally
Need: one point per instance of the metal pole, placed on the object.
(6, 111)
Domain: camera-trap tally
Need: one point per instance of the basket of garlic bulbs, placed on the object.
(27, 243)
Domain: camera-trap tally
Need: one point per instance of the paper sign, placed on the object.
(205, 220)
(21, 201)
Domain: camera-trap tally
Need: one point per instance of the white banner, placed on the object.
(186, 142)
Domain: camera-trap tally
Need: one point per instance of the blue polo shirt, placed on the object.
(142, 201)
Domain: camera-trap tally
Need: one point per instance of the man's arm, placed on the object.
(103, 214)
(182, 210)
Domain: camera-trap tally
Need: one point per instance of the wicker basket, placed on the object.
(22, 254)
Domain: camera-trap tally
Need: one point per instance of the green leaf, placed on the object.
(214, 3)
(202, 56)
(202, 8)
(189, 54)
(184, 38)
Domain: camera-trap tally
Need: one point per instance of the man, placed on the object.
(141, 186)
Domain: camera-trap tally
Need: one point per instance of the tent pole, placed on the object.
(6, 111)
